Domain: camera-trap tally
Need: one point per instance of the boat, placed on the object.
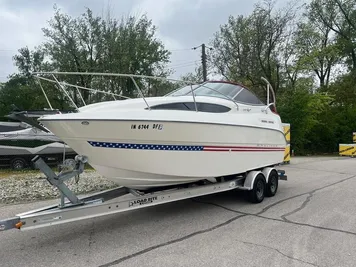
(21, 141)
(203, 132)
(12, 126)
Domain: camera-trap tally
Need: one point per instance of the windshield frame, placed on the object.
(194, 87)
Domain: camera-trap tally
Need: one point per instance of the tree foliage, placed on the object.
(316, 51)
(340, 17)
(247, 48)
(94, 44)
(90, 43)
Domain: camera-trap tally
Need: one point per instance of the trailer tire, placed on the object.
(18, 164)
(257, 194)
(272, 185)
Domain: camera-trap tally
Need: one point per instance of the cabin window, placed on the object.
(203, 107)
(171, 106)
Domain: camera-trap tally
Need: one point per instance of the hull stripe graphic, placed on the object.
(185, 147)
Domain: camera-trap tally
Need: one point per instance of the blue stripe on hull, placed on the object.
(146, 146)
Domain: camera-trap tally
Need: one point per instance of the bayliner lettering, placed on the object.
(142, 201)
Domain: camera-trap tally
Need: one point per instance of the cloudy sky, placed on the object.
(182, 24)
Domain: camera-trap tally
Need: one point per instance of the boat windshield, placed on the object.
(220, 89)
(183, 90)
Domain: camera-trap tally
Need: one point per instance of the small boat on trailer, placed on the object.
(216, 137)
(215, 130)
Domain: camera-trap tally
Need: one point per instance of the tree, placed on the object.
(30, 61)
(302, 109)
(316, 51)
(93, 44)
(88, 43)
(193, 77)
(18, 91)
(247, 48)
(344, 90)
(340, 17)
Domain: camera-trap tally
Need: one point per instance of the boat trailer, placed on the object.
(258, 183)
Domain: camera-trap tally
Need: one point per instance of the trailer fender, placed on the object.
(250, 179)
(267, 171)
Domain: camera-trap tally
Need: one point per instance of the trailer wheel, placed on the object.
(272, 185)
(257, 194)
(18, 164)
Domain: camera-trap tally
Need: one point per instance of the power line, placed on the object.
(185, 66)
(181, 63)
(179, 50)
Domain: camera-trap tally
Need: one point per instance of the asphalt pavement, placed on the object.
(310, 222)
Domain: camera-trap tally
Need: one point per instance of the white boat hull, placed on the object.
(145, 158)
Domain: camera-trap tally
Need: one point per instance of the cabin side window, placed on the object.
(203, 107)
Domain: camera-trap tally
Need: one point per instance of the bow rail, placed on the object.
(62, 85)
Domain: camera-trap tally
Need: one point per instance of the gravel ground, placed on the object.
(33, 186)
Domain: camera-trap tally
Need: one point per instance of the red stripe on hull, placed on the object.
(243, 147)
(243, 150)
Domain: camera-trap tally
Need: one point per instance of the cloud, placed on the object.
(181, 24)
(158, 10)
(19, 27)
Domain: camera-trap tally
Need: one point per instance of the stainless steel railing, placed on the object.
(132, 77)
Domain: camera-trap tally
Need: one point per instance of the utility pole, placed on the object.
(203, 60)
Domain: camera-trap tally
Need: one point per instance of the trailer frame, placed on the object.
(99, 204)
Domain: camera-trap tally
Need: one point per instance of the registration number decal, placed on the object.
(153, 126)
